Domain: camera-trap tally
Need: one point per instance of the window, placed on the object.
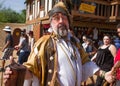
(42, 4)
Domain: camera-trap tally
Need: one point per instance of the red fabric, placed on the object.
(46, 26)
(117, 58)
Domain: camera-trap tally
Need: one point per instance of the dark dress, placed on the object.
(104, 60)
(9, 49)
(9, 37)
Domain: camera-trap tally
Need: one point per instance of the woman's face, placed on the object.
(106, 40)
(84, 39)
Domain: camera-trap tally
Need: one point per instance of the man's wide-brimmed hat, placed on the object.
(7, 28)
(60, 7)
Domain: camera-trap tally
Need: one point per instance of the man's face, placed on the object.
(60, 24)
(118, 31)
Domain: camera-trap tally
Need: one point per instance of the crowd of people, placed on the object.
(24, 47)
(60, 59)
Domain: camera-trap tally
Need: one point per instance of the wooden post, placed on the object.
(3, 64)
(116, 10)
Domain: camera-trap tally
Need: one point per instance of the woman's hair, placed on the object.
(89, 40)
(108, 35)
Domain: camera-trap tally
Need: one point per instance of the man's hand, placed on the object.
(7, 74)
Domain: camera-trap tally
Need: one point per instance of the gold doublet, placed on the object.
(44, 64)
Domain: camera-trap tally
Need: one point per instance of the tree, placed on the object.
(22, 17)
(10, 16)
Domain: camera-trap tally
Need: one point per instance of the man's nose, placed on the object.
(61, 19)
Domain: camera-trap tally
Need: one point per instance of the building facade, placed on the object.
(88, 15)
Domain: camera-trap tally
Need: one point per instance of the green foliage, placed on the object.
(10, 16)
(22, 16)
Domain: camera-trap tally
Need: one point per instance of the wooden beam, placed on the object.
(76, 13)
(116, 10)
(112, 12)
(118, 18)
(115, 2)
(98, 1)
(93, 24)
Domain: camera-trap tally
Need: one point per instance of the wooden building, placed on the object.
(87, 15)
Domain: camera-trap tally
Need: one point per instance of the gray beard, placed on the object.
(62, 30)
(62, 33)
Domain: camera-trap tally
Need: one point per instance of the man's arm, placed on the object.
(5, 46)
(94, 57)
(113, 50)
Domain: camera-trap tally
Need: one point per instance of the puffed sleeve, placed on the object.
(36, 60)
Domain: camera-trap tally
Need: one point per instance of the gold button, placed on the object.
(51, 58)
(48, 83)
(50, 71)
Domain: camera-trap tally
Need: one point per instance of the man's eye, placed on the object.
(56, 18)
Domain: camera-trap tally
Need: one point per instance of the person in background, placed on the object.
(8, 47)
(100, 42)
(91, 50)
(84, 44)
(57, 61)
(26, 36)
(89, 47)
(116, 66)
(117, 42)
(104, 57)
(31, 40)
(23, 48)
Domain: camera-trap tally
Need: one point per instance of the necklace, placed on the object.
(70, 48)
(64, 46)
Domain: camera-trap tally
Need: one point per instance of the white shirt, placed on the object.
(72, 72)
(31, 43)
(84, 45)
(69, 71)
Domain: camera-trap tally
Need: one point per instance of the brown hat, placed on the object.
(59, 7)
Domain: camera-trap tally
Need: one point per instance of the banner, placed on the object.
(87, 8)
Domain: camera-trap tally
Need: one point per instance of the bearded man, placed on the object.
(56, 59)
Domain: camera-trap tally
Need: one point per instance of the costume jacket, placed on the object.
(42, 61)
